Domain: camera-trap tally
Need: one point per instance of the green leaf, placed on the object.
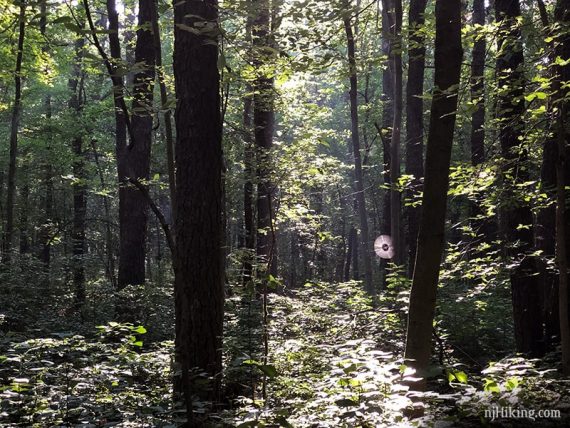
(461, 377)
(491, 386)
(269, 370)
(540, 95)
(512, 383)
(140, 330)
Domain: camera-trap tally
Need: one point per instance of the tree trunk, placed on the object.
(199, 292)
(16, 111)
(263, 121)
(79, 188)
(109, 247)
(135, 158)
(349, 251)
(562, 72)
(24, 204)
(394, 14)
(249, 167)
(525, 284)
(358, 175)
(415, 121)
(120, 140)
(45, 252)
(481, 225)
(478, 86)
(385, 130)
(167, 115)
(545, 229)
(448, 57)
(248, 193)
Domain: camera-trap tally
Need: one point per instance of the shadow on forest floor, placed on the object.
(335, 362)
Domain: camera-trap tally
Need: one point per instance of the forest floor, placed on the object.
(334, 361)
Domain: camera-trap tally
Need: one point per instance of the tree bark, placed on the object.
(545, 228)
(249, 167)
(358, 175)
(199, 292)
(167, 115)
(264, 122)
(135, 158)
(45, 238)
(385, 130)
(448, 57)
(15, 124)
(477, 86)
(394, 14)
(79, 188)
(415, 122)
(562, 73)
(525, 284)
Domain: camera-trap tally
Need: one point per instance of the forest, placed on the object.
(284, 213)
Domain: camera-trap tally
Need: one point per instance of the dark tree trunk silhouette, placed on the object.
(394, 14)
(415, 122)
(358, 175)
(545, 228)
(199, 292)
(45, 250)
(75, 103)
(525, 284)
(478, 86)
(385, 130)
(562, 76)
(263, 122)
(135, 157)
(14, 127)
(120, 117)
(448, 57)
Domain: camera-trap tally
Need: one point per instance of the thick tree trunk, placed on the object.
(199, 278)
(358, 175)
(415, 122)
(120, 144)
(135, 158)
(448, 57)
(525, 284)
(15, 124)
(263, 121)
